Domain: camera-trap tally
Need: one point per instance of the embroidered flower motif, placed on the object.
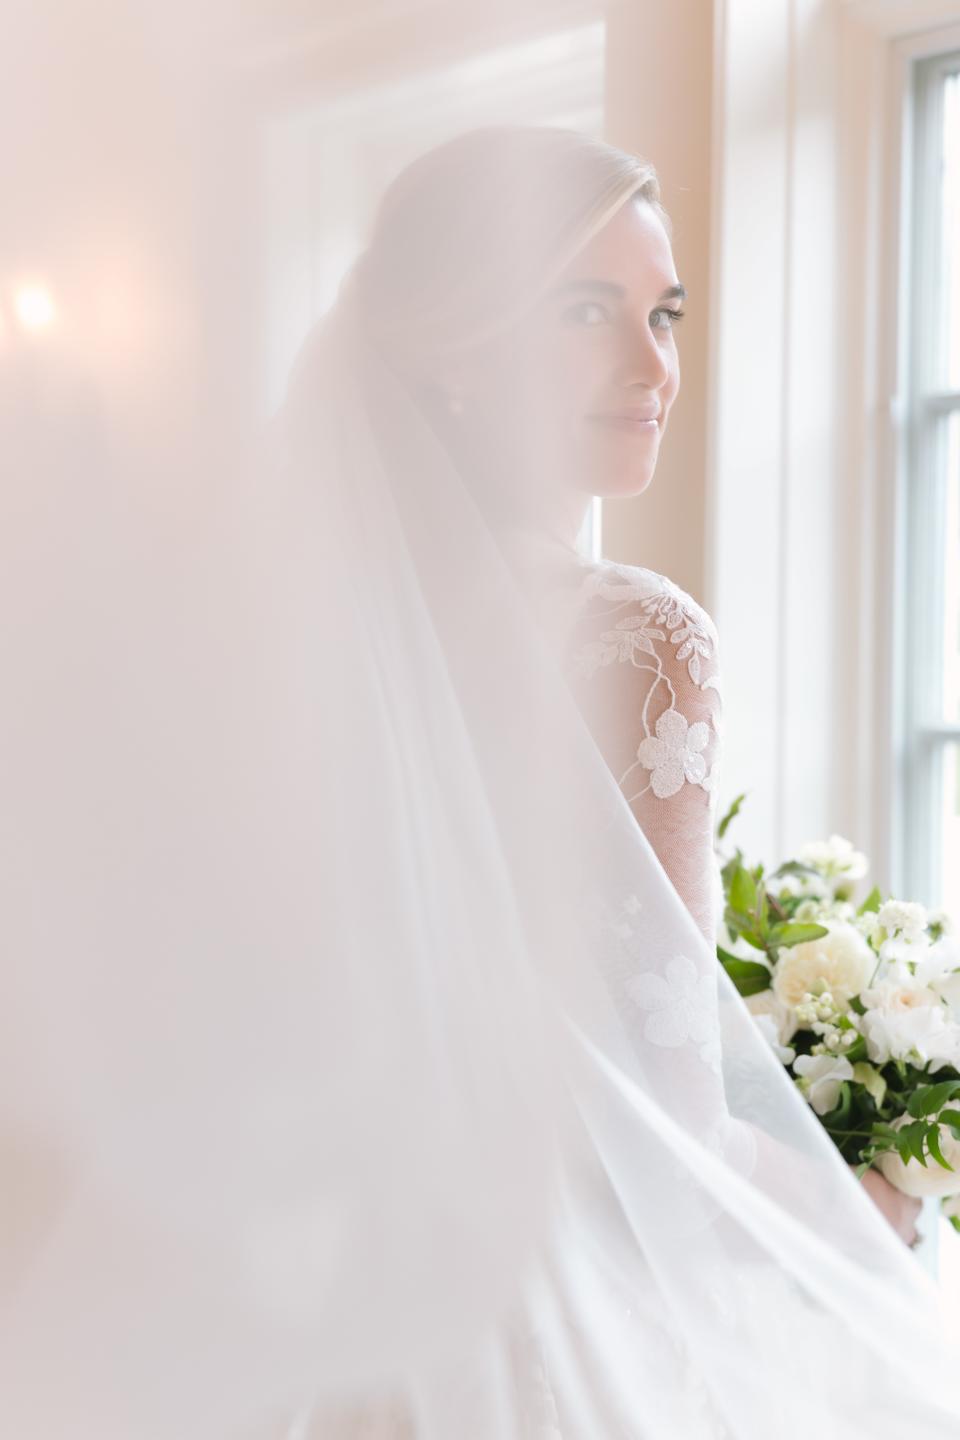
(673, 754)
(622, 928)
(682, 1006)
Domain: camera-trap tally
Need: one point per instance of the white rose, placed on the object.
(769, 1003)
(919, 1180)
(841, 958)
(822, 1076)
(905, 1024)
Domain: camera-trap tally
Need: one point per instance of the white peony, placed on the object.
(909, 1022)
(821, 1077)
(841, 958)
(919, 1180)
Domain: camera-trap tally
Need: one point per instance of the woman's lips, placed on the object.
(629, 424)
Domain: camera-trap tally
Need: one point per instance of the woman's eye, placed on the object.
(587, 312)
(672, 317)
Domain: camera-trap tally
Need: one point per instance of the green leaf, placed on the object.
(918, 1135)
(904, 1146)
(838, 1116)
(795, 867)
(951, 1118)
(933, 1141)
(857, 1051)
(929, 1099)
(872, 1081)
(750, 977)
(872, 902)
(743, 925)
(734, 810)
(955, 1222)
(743, 891)
(792, 932)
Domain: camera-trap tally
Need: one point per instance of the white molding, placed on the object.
(892, 19)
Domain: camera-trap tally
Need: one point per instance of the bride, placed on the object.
(438, 1118)
(698, 1262)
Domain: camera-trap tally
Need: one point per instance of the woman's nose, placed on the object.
(646, 362)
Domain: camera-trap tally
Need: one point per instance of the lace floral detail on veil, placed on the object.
(681, 1008)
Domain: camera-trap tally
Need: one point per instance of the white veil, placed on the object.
(322, 1083)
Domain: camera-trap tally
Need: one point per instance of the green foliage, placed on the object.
(872, 903)
(930, 1099)
(861, 1122)
(731, 813)
(749, 976)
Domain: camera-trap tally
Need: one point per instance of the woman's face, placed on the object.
(577, 396)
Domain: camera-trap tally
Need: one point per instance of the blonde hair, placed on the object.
(468, 235)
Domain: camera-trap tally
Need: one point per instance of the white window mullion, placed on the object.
(929, 757)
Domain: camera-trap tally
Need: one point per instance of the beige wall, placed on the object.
(659, 99)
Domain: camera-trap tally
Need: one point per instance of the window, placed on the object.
(930, 619)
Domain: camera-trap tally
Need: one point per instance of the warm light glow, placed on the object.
(34, 307)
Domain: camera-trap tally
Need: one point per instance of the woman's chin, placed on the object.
(622, 486)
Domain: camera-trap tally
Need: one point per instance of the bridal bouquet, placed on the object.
(861, 1003)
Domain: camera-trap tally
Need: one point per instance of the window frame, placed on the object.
(923, 411)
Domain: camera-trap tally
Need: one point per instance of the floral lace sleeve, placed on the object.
(643, 661)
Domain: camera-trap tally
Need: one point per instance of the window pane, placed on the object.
(951, 573)
(949, 365)
(950, 833)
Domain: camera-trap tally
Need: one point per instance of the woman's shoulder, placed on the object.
(618, 584)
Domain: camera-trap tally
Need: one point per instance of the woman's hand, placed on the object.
(899, 1210)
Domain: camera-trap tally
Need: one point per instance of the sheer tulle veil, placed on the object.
(345, 1091)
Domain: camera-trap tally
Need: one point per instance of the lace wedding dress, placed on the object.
(590, 1350)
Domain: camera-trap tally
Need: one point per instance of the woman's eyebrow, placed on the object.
(673, 292)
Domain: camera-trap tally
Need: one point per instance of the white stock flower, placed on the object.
(940, 969)
(905, 949)
(912, 1178)
(944, 919)
(810, 885)
(822, 1076)
(836, 860)
(909, 1022)
(867, 924)
(904, 917)
(841, 958)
